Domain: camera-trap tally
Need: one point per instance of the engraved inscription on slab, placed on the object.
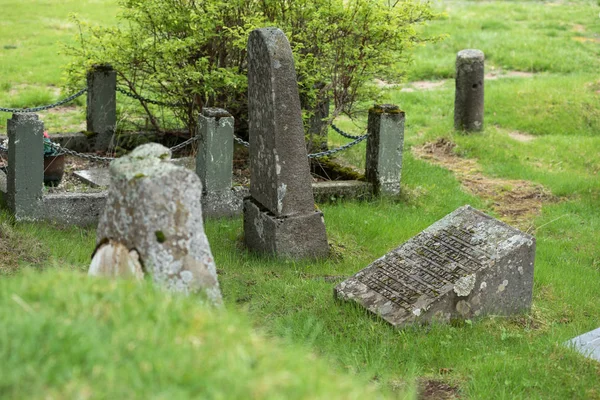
(465, 265)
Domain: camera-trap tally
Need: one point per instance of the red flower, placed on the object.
(46, 134)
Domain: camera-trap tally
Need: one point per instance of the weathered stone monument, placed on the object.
(383, 165)
(468, 100)
(152, 224)
(25, 175)
(279, 215)
(214, 162)
(587, 344)
(463, 266)
(101, 115)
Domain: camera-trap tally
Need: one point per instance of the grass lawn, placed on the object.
(64, 336)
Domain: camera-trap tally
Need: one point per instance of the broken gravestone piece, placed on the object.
(279, 216)
(466, 265)
(153, 217)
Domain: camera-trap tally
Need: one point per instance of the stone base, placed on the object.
(221, 204)
(298, 236)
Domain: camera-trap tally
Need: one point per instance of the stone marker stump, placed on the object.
(465, 265)
(279, 215)
(102, 105)
(152, 224)
(214, 162)
(468, 98)
(383, 166)
(25, 175)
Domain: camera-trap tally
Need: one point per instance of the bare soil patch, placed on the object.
(521, 137)
(431, 389)
(517, 202)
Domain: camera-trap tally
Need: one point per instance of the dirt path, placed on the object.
(517, 202)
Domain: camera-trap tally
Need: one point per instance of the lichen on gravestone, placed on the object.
(153, 207)
(464, 266)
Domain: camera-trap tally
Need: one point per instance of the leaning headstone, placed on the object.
(466, 265)
(214, 162)
(102, 104)
(588, 344)
(153, 215)
(468, 98)
(279, 215)
(25, 175)
(383, 167)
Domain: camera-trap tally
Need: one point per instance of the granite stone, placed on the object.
(588, 344)
(466, 265)
(468, 98)
(279, 216)
(154, 208)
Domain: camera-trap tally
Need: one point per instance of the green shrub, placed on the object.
(194, 52)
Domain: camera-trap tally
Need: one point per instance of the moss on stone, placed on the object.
(160, 236)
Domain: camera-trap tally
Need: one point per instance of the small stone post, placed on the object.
(102, 104)
(384, 149)
(279, 216)
(25, 177)
(214, 162)
(468, 100)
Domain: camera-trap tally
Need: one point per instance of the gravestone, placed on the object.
(279, 215)
(466, 265)
(588, 344)
(153, 215)
(468, 98)
(95, 177)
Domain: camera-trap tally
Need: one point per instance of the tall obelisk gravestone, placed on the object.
(279, 215)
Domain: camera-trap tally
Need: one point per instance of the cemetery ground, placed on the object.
(535, 166)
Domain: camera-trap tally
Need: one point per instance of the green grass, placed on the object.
(520, 357)
(67, 336)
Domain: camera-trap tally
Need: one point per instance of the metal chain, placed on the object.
(338, 149)
(183, 144)
(92, 157)
(145, 100)
(241, 141)
(344, 134)
(42, 108)
(356, 141)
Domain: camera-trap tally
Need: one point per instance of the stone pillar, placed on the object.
(214, 162)
(25, 175)
(468, 100)
(102, 105)
(384, 149)
(279, 215)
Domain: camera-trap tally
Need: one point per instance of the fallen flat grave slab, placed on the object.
(466, 265)
(95, 177)
(588, 344)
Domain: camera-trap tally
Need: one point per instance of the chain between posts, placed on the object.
(145, 100)
(338, 149)
(42, 108)
(356, 141)
(344, 134)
